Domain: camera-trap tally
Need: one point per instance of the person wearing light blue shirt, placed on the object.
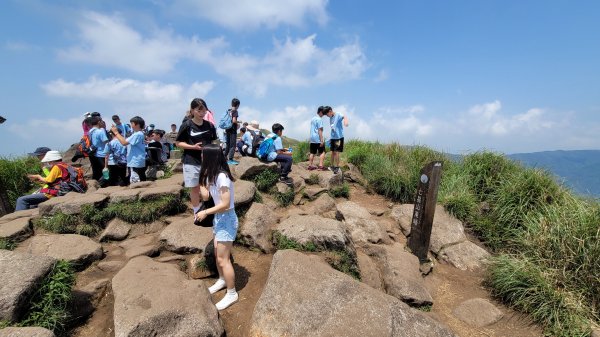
(337, 122)
(117, 163)
(98, 140)
(136, 149)
(317, 142)
(279, 154)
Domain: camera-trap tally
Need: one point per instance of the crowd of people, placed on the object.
(125, 153)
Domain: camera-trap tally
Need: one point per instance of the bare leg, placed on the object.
(224, 263)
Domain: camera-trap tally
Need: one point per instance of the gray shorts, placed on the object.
(191, 175)
(225, 226)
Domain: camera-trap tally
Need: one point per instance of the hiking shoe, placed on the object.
(232, 162)
(286, 180)
(230, 298)
(311, 168)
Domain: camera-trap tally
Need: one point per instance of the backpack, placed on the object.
(85, 146)
(71, 180)
(265, 148)
(257, 140)
(226, 122)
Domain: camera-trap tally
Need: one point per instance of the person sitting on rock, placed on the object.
(52, 181)
(240, 145)
(216, 181)
(280, 155)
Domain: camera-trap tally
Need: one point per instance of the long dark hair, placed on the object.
(213, 163)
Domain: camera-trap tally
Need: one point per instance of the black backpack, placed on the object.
(257, 139)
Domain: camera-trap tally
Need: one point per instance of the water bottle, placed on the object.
(105, 174)
(290, 150)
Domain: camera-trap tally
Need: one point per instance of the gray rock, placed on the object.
(283, 188)
(117, 229)
(176, 179)
(26, 332)
(369, 274)
(170, 258)
(305, 297)
(362, 225)
(157, 299)
(71, 205)
(256, 228)
(243, 192)
(160, 191)
(26, 213)
(403, 216)
(465, 255)
(249, 167)
(182, 236)
(142, 184)
(77, 249)
(478, 312)
(16, 230)
(401, 275)
(324, 203)
(313, 193)
(142, 245)
(126, 195)
(595, 332)
(108, 190)
(353, 174)
(327, 234)
(87, 297)
(21, 274)
(110, 266)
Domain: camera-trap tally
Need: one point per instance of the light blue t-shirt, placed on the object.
(99, 139)
(136, 150)
(316, 123)
(117, 152)
(277, 145)
(337, 126)
(247, 140)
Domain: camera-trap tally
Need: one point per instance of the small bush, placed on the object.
(49, 303)
(457, 197)
(265, 180)
(313, 179)
(7, 244)
(201, 264)
(342, 261)
(285, 199)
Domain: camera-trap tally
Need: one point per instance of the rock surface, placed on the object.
(182, 236)
(26, 332)
(142, 245)
(305, 297)
(249, 167)
(157, 299)
(16, 230)
(465, 255)
(26, 213)
(116, 229)
(21, 274)
(363, 227)
(77, 249)
(71, 204)
(255, 230)
(478, 312)
(243, 192)
(327, 234)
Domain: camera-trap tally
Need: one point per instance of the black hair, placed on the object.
(326, 109)
(276, 127)
(116, 117)
(196, 102)
(235, 102)
(95, 120)
(243, 129)
(320, 110)
(95, 114)
(139, 121)
(213, 163)
(174, 125)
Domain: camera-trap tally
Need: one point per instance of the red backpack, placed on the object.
(70, 180)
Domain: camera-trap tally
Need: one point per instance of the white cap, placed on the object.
(51, 156)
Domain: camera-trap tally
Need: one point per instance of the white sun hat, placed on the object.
(51, 156)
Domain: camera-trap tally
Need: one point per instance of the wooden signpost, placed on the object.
(425, 201)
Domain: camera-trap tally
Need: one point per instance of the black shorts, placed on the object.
(317, 148)
(337, 145)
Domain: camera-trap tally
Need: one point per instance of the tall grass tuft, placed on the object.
(13, 176)
(487, 171)
(265, 180)
(301, 152)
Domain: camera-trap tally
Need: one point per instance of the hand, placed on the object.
(197, 146)
(322, 143)
(200, 215)
(114, 130)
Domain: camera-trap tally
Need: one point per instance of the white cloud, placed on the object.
(486, 119)
(240, 15)
(382, 76)
(126, 90)
(64, 133)
(20, 46)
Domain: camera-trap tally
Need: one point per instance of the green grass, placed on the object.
(13, 176)
(265, 180)
(201, 264)
(285, 199)
(7, 244)
(301, 152)
(257, 197)
(49, 304)
(313, 179)
(340, 191)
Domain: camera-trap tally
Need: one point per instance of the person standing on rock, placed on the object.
(338, 122)
(216, 181)
(193, 135)
(136, 149)
(317, 142)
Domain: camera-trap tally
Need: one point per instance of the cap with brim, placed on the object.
(39, 151)
(253, 125)
(51, 156)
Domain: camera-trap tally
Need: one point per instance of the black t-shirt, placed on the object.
(233, 125)
(192, 133)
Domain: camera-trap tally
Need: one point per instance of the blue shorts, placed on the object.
(225, 226)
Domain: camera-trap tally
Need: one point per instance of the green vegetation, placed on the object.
(283, 242)
(257, 197)
(285, 199)
(301, 152)
(201, 264)
(7, 244)
(340, 191)
(313, 179)
(92, 219)
(546, 240)
(13, 176)
(265, 180)
(49, 303)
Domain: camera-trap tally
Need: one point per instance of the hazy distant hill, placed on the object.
(580, 169)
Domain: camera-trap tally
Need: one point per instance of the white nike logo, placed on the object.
(194, 134)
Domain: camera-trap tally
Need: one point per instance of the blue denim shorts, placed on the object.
(225, 226)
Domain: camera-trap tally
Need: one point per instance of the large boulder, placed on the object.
(175, 179)
(478, 312)
(248, 167)
(16, 230)
(126, 195)
(157, 299)
(369, 272)
(464, 255)
(401, 274)
(326, 234)
(21, 274)
(182, 236)
(306, 297)
(362, 225)
(71, 204)
(323, 204)
(160, 191)
(243, 192)
(255, 230)
(142, 245)
(26, 213)
(77, 249)
(29, 331)
(116, 229)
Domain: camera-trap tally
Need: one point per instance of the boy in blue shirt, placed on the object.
(136, 149)
(317, 142)
(338, 122)
(117, 163)
(98, 139)
(280, 155)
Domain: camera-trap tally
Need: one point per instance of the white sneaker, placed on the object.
(220, 284)
(228, 300)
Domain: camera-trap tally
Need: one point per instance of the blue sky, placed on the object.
(458, 76)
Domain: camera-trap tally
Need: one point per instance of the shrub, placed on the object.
(313, 179)
(456, 195)
(13, 176)
(340, 191)
(7, 244)
(487, 170)
(265, 180)
(285, 199)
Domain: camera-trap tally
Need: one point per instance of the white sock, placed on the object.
(230, 298)
(220, 284)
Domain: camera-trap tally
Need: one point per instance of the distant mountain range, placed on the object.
(578, 169)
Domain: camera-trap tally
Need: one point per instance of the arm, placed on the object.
(346, 121)
(186, 146)
(321, 136)
(121, 139)
(220, 208)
